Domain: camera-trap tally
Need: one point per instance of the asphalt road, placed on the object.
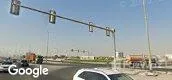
(56, 72)
(66, 71)
(7, 76)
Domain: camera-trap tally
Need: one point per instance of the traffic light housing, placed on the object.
(15, 7)
(52, 17)
(107, 31)
(90, 27)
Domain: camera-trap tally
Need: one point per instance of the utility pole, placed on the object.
(47, 45)
(147, 33)
(114, 45)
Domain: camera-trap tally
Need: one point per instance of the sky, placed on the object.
(28, 31)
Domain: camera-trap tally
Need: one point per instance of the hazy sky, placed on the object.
(28, 31)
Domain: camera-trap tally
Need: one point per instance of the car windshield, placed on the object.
(119, 77)
(6, 63)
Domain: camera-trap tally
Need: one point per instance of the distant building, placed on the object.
(168, 56)
(87, 57)
(1, 59)
(119, 55)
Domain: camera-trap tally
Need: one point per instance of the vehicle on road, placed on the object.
(39, 60)
(30, 57)
(5, 65)
(141, 61)
(100, 74)
(24, 63)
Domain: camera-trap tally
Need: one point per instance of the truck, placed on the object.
(140, 60)
(30, 57)
(135, 60)
(39, 59)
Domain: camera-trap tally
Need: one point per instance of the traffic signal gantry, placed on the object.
(15, 10)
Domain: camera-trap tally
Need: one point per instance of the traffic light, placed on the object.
(52, 17)
(90, 27)
(15, 7)
(107, 31)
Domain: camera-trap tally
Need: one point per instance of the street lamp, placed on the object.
(47, 45)
(147, 33)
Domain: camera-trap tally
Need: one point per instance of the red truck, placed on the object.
(30, 57)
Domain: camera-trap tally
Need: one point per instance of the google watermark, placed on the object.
(36, 72)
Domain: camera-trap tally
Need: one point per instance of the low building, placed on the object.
(168, 56)
(119, 55)
(87, 57)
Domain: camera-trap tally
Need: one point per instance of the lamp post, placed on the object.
(147, 33)
(47, 45)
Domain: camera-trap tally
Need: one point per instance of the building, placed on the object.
(168, 56)
(87, 57)
(119, 55)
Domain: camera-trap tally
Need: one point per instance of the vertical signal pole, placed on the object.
(114, 44)
(147, 33)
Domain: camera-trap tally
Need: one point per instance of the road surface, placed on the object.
(56, 72)
(66, 72)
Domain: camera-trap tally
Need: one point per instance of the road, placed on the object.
(56, 72)
(7, 76)
(66, 72)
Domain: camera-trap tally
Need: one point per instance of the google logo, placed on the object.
(36, 72)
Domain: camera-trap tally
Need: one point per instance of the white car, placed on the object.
(100, 74)
(4, 65)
